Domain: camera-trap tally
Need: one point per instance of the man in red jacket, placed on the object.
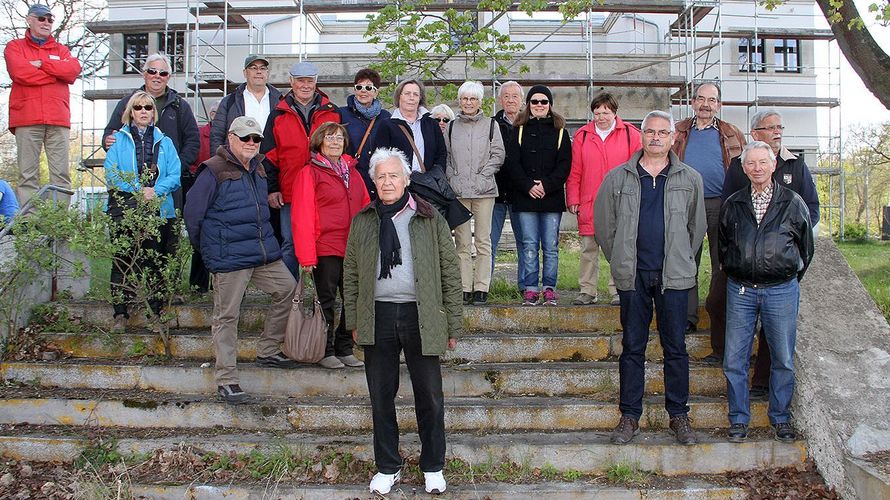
(286, 145)
(39, 109)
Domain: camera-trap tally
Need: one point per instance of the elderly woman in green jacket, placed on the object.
(402, 292)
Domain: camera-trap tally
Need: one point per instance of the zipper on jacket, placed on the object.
(256, 200)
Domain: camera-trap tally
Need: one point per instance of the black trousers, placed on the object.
(396, 328)
(199, 276)
(328, 276)
(123, 265)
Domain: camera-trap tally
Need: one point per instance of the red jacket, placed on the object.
(591, 161)
(204, 150)
(287, 145)
(39, 95)
(323, 210)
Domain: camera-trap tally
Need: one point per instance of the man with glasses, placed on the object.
(254, 98)
(175, 117)
(649, 217)
(41, 70)
(791, 172)
(286, 145)
(228, 219)
(708, 144)
(510, 98)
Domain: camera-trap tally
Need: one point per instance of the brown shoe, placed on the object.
(681, 427)
(626, 429)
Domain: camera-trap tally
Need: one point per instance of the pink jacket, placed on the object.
(591, 161)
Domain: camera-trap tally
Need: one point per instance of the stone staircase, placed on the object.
(532, 386)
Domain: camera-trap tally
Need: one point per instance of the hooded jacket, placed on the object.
(475, 154)
(122, 174)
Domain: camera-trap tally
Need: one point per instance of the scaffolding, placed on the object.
(693, 48)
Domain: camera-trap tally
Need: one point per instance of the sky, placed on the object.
(858, 104)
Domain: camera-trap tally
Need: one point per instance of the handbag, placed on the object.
(305, 337)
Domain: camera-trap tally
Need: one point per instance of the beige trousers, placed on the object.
(228, 290)
(479, 279)
(588, 268)
(29, 141)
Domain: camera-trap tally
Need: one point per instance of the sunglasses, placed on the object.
(45, 19)
(367, 88)
(539, 101)
(140, 107)
(442, 120)
(255, 138)
(152, 71)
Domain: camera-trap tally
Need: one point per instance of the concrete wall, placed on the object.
(842, 396)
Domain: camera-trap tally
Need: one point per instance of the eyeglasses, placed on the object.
(258, 68)
(442, 120)
(772, 128)
(366, 88)
(660, 133)
(255, 138)
(709, 100)
(469, 99)
(140, 107)
(152, 71)
(539, 101)
(334, 138)
(45, 19)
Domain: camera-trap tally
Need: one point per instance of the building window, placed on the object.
(135, 52)
(173, 44)
(751, 55)
(787, 56)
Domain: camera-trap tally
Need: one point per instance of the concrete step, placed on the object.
(586, 452)
(146, 409)
(478, 347)
(599, 379)
(597, 318)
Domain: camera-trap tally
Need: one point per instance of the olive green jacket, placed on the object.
(436, 277)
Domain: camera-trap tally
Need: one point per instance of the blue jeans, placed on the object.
(498, 217)
(636, 316)
(777, 306)
(288, 253)
(540, 230)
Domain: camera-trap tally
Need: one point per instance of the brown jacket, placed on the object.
(732, 140)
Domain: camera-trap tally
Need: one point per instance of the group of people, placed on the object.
(279, 186)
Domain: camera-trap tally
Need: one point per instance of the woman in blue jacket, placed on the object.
(141, 164)
(362, 116)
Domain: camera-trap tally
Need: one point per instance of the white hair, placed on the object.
(157, 56)
(442, 109)
(386, 154)
(763, 115)
(471, 89)
(511, 83)
(751, 146)
(658, 114)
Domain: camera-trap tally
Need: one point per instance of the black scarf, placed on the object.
(390, 247)
(144, 147)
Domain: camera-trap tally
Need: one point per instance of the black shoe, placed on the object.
(480, 298)
(278, 360)
(232, 394)
(785, 433)
(738, 433)
(713, 359)
(759, 392)
(468, 298)
(691, 328)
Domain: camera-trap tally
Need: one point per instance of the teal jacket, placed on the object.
(617, 213)
(436, 272)
(121, 173)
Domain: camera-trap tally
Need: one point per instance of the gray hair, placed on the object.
(385, 154)
(472, 89)
(751, 146)
(157, 56)
(711, 83)
(511, 83)
(442, 109)
(763, 115)
(658, 114)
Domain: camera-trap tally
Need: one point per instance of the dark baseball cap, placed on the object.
(253, 58)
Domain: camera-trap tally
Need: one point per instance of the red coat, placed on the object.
(204, 150)
(39, 96)
(323, 209)
(287, 151)
(591, 161)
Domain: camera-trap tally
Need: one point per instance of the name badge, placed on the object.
(55, 57)
(786, 178)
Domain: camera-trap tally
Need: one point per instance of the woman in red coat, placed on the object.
(327, 194)
(597, 147)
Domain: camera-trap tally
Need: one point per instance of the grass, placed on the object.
(871, 263)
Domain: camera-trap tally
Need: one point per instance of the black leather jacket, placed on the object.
(779, 249)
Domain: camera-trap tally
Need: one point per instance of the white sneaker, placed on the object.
(435, 482)
(381, 483)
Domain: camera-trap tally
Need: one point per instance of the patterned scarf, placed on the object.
(369, 112)
(341, 167)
